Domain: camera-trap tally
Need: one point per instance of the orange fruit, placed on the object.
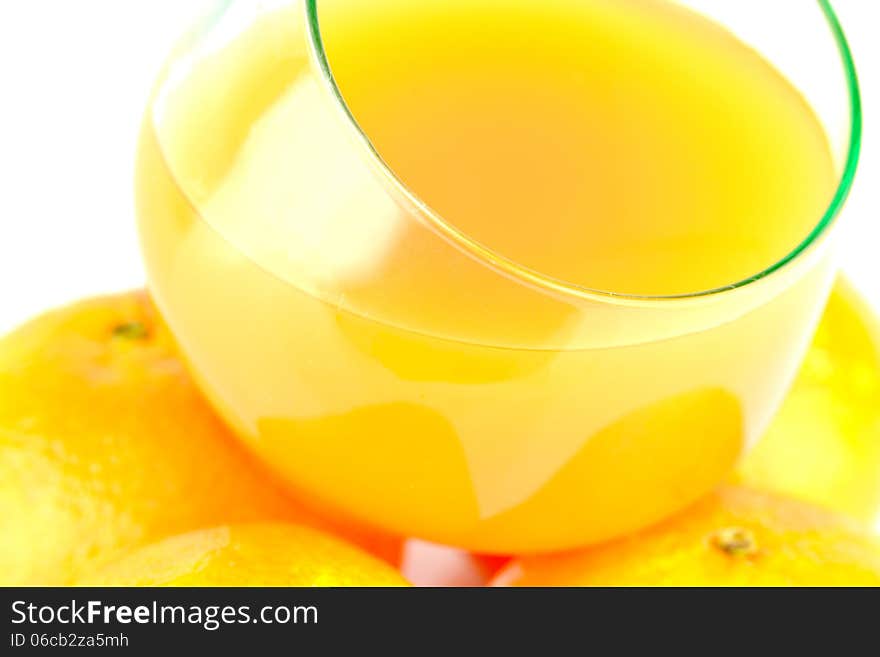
(248, 555)
(105, 444)
(824, 446)
(734, 537)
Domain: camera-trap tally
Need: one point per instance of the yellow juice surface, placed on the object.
(628, 146)
(603, 142)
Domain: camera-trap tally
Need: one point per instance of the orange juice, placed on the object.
(459, 336)
(603, 143)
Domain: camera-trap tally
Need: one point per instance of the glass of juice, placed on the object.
(510, 275)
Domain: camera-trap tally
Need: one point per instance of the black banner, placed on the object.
(329, 620)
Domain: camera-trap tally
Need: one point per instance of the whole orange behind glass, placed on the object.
(521, 276)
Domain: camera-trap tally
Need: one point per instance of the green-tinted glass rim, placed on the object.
(557, 286)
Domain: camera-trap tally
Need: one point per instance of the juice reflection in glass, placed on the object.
(507, 275)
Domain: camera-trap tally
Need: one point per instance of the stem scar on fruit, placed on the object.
(735, 542)
(133, 330)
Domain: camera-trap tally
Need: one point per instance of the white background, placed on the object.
(74, 76)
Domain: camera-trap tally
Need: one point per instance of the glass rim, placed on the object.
(555, 285)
